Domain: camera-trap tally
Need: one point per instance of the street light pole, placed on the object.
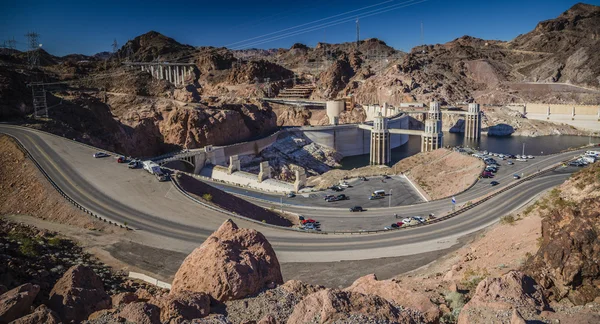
(390, 200)
(281, 203)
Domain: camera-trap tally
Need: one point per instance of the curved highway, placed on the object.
(165, 218)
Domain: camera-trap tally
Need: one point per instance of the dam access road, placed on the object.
(163, 217)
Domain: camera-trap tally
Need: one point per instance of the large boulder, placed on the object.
(17, 302)
(496, 298)
(393, 291)
(141, 313)
(78, 294)
(231, 264)
(184, 305)
(336, 306)
(42, 314)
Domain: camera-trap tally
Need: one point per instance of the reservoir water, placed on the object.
(541, 145)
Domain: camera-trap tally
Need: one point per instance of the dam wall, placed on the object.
(350, 140)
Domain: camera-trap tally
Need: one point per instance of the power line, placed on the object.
(332, 23)
(312, 22)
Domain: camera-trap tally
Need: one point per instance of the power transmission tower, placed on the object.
(11, 44)
(33, 54)
(129, 53)
(40, 106)
(357, 33)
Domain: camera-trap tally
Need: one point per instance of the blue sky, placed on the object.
(89, 27)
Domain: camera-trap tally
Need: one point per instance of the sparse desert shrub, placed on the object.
(207, 197)
(508, 219)
(28, 247)
(54, 241)
(472, 277)
(456, 301)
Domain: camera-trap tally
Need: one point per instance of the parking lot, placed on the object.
(398, 192)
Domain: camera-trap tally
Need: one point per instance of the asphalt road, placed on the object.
(164, 218)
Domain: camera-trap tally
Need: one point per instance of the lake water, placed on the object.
(541, 145)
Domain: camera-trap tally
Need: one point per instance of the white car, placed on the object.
(407, 220)
(100, 155)
(419, 219)
(387, 228)
(530, 156)
(344, 185)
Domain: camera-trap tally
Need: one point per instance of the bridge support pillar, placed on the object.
(234, 164)
(473, 122)
(300, 179)
(433, 137)
(573, 113)
(380, 142)
(548, 113)
(265, 171)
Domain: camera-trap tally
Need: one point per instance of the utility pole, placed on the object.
(11, 44)
(357, 33)
(390, 200)
(33, 54)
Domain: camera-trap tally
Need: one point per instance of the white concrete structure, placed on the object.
(386, 110)
(265, 171)
(300, 179)
(234, 164)
(334, 108)
(473, 122)
(581, 116)
(381, 152)
(432, 138)
(176, 73)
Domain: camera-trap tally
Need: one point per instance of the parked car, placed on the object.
(407, 220)
(134, 164)
(395, 225)
(510, 163)
(400, 224)
(387, 228)
(342, 197)
(344, 185)
(419, 219)
(530, 156)
(291, 195)
(356, 209)
(100, 155)
(308, 221)
(363, 178)
(494, 183)
(121, 159)
(374, 197)
(328, 197)
(337, 188)
(516, 176)
(332, 199)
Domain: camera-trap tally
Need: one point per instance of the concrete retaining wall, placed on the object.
(538, 108)
(150, 280)
(251, 147)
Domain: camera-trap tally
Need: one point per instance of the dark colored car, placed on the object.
(121, 159)
(342, 197)
(395, 225)
(356, 209)
(494, 183)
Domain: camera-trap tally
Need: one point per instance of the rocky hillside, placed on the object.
(566, 264)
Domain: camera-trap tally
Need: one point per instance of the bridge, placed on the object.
(175, 73)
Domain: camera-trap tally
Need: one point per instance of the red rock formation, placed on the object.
(141, 313)
(123, 298)
(393, 291)
(16, 302)
(335, 306)
(183, 305)
(42, 314)
(231, 264)
(78, 294)
(496, 297)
